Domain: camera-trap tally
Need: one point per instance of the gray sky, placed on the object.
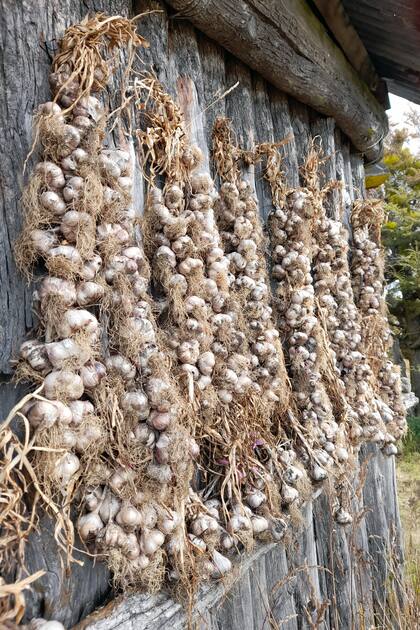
(396, 114)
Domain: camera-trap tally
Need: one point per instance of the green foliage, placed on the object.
(401, 232)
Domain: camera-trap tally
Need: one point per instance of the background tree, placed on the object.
(401, 236)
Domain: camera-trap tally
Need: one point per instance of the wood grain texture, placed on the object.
(28, 37)
(273, 585)
(290, 48)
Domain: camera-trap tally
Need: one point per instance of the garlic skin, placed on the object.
(61, 353)
(222, 565)
(63, 383)
(75, 320)
(57, 288)
(65, 468)
(150, 541)
(89, 526)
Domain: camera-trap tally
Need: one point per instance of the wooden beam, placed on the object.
(348, 39)
(289, 47)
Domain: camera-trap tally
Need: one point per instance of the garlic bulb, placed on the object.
(43, 413)
(43, 241)
(92, 373)
(66, 352)
(75, 320)
(150, 541)
(51, 174)
(53, 202)
(63, 383)
(57, 288)
(80, 409)
(89, 526)
(136, 402)
(129, 517)
(66, 467)
(35, 353)
(222, 565)
(89, 293)
(122, 366)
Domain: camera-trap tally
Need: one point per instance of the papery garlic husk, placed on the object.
(122, 366)
(43, 241)
(148, 516)
(89, 526)
(51, 174)
(53, 202)
(159, 421)
(129, 517)
(110, 507)
(80, 409)
(66, 352)
(159, 472)
(144, 434)
(63, 291)
(65, 467)
(197, 542)
(137, 403)
(168, 521)
(63, 383)
(259, 524)
(43, 413)
(78, 319)
(35, 353)
(227, 541)
(119, 478)
(90, 434)
(256, 498)
(89, 293)
(150, 541)
(222, 565)
(68, 439)
(92, 373)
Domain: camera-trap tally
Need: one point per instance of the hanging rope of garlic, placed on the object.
(63, 202)
(242, 235)
(367, 268)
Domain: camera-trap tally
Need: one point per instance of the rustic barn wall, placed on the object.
(324, 573)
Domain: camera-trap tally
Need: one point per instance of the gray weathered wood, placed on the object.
(289, 47)
(273, 586)
(29, 37)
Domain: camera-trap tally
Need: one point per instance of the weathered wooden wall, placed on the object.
(346, 569)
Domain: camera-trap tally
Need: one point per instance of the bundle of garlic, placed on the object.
(290, 228)
(366, 413)
(368, 284)
(242, 235)
(133, 505)
(241, 232)
(61, 202)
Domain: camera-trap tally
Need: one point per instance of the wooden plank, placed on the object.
(299, 115)
(212, 59)
(348, 38)
(322, 130)
(333, 554)
(186, 77)
(289, 47)
(264, 132)
(303, 561)
(282, 126)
